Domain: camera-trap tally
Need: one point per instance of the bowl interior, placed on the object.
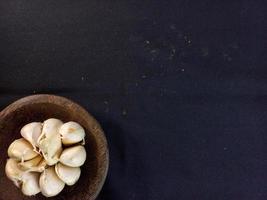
(40, 108)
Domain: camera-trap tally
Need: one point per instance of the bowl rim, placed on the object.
(59, 100)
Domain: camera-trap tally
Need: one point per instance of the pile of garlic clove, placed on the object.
(48, 156)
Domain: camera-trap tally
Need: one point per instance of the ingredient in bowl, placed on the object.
(13, 172)
(27, 165)
(30, 183)
(50, 142)
(50, 183)
(21, 150)
(73, 156)
(47, 157)
(71, 133)
(32, 132)
(69, 175)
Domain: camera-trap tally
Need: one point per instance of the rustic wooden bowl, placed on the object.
(39, 108)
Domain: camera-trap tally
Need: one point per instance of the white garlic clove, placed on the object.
(71, 133)
(51, 149)
(30, 183)
(50, 142)
(22, 150)
(50, 128)
(28, 165)
(32, 132)
(13, 172)
(73, 156)
(50, 183)
(41, 166)
(70, 175)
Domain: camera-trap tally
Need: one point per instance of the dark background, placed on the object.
(179, 87)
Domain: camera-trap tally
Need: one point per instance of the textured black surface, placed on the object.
(178, 86)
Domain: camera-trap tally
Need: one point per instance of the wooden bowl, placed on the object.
(39, 108)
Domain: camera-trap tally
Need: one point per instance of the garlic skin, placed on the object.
(50, 142)
(73, 156)
(30, 183)
(21, 150)
(70, 175)
(50, 183)
(31, 132)
(71, 133)
(13, 172)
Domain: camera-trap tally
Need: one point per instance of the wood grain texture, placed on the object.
(39, 108)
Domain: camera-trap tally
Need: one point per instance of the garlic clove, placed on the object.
(71, 133)
(70, 175)
(50, 128)
(30, 183)
(73, 156)
(28, 165)
(51, 149)
(13, 172)
(50, 142)
(21, 150)
(50, 183)
(32, 132)
(40, 167)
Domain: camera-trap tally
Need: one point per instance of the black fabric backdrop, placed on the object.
(178, 86)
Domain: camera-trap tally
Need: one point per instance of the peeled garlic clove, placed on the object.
(73, 156)
(69, 175)
(41, 166)
(51, 149)
(13, 172)
(32, 132)
(30, 183)
(50, 183)
(50, 128)
(50, 142)
(20, 149)
(71, 133)
(28, 165)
